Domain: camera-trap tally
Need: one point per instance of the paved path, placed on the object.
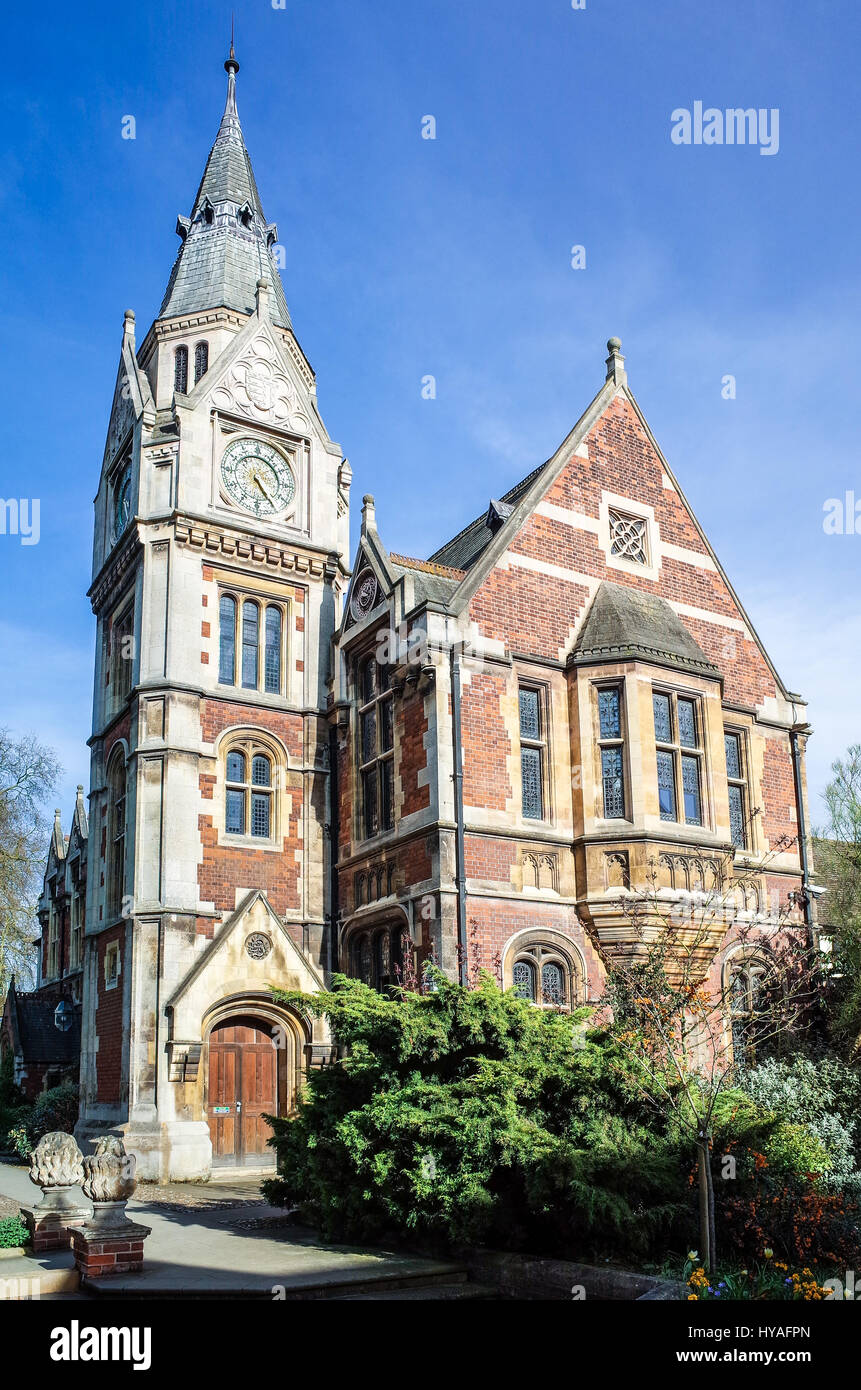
(236, 1245)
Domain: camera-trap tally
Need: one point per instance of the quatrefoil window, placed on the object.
(628, 539)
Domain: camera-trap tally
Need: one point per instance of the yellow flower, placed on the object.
(693, 1256)
(692, 1296)
(768, 1253)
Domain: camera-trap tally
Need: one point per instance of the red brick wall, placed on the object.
(411, 725)
(486, 744)
(534, 613)
(109, 1027)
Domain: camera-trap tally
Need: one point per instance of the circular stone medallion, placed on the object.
(258, 945)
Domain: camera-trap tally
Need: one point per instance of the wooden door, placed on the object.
(243, 1087)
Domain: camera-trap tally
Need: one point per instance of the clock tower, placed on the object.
(219, 567)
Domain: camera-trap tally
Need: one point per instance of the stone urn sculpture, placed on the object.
(109, 1180)
(56, 1167)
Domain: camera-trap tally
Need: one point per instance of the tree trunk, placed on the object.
(705, 1193)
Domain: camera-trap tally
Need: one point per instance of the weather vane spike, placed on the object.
(231, 66)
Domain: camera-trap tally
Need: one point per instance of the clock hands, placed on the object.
(255, 477)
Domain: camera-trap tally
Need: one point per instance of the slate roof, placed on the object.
(462, 551)
(40, 1040)
(624, 623)
(227, 241)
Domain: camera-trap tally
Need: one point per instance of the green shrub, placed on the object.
(470, 1116)
(823, 1094)
(13, 1232)
(56, 1108)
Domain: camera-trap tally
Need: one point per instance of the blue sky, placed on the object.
(452, 257)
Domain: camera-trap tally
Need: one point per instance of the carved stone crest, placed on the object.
(258, 945)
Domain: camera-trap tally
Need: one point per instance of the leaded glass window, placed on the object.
(746, 993)
(687, 724)
(628, 538)
(529, 714)
(737, 789)
(201, 361)
(272, 655)
(609, 713)
(531, 753)
(663, 725)
(544, 974)
(376, 747)
(523, 978)
(679, 757)
(613, 783)
(248, 803)
(666, 785)
(250, 644)
(691, 790)
(227, 640)
(374, 956)
(180, 370)
(240, 622)
(612, 752)
(552, 983)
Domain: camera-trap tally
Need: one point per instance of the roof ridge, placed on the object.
(479, 520)
(428, 566)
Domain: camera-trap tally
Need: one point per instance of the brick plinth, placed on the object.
(101, 1251)
(51, 1230)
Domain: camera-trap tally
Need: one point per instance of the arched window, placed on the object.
(374, 956)
(250, 644)
(201, 361)
(227, 640)
(180, 370)
(745, 990)
(523, 978)
(249, 788)
(116, 833)
(544, 972)
(272, 676)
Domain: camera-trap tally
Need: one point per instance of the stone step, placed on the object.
(38, 1276)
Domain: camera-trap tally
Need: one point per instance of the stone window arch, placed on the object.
(252, 775)
(540, 969)
(180, 370)
(746, 975)
(374, 954)
(201, 361)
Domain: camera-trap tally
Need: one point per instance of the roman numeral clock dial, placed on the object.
(257, 477)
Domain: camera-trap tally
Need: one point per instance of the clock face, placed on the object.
(257, 477)
(122, 502)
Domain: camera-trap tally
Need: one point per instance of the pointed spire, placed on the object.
(226, 242)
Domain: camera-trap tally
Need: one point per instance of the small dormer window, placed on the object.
(201, 361)
(497, 515)
(208, 213)
(180, 370)
(246, 215)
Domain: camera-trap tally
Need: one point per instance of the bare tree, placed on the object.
(688, 1034)
(29, 773)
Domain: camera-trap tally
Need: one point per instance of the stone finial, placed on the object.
(616, 362)
(56, 1161)
(109, 1172)
(369, 513)
(261, 297)
(129, 324)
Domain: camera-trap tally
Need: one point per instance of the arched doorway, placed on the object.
(252, 1064)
